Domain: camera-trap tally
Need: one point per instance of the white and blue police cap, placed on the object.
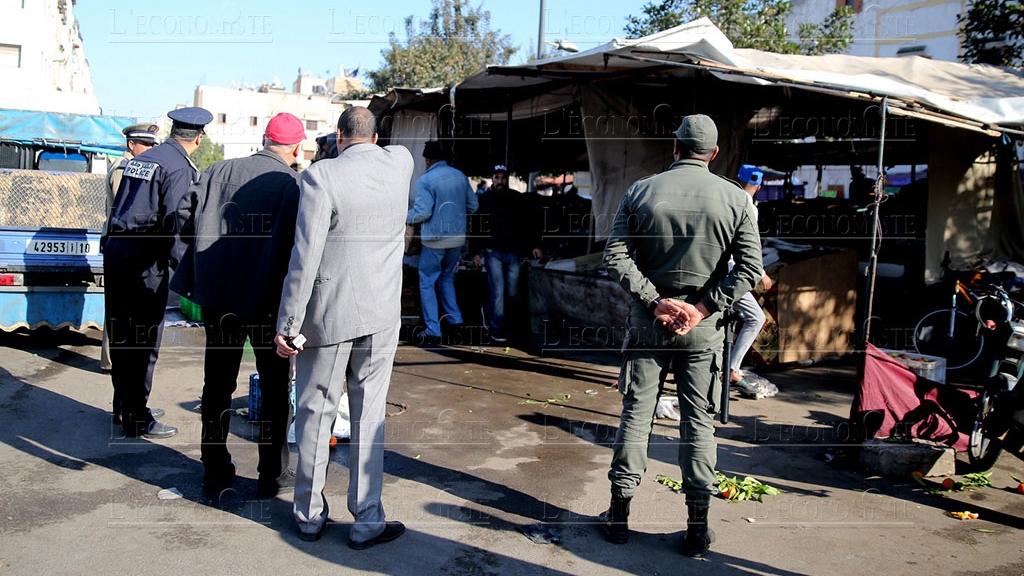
(144, 132)
(192, 117)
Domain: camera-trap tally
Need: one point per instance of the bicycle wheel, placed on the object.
(984, 447)
(932, 337)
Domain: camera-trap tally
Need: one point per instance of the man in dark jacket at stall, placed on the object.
(505, 233)
(241, 223)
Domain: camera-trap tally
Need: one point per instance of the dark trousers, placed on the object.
(225, 337)
(135, 302)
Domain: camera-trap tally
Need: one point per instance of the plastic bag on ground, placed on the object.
(666, 408)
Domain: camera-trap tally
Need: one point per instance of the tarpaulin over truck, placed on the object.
(51, 271)
(87, 133)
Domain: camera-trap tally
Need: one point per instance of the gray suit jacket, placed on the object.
(345, 275)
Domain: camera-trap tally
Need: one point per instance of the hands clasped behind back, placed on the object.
(677, 316)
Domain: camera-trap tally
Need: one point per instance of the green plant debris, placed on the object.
(977, 480)
(750, 488)
(560, 399)
(675, 485)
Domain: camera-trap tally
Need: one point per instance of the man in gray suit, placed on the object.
(343, 294)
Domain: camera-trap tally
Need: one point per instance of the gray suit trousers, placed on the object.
(367, 362)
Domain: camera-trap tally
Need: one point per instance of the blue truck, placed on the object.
(53, 206)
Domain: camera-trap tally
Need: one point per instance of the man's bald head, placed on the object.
(357, 123)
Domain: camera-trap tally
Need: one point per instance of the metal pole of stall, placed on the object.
(873, 265)
(540, 31)
(508, 132)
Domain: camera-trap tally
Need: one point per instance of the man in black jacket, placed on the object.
(241, 218)
(505, 234)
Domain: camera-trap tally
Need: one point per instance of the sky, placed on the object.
(147, 57)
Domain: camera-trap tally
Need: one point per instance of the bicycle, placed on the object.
(958, 333)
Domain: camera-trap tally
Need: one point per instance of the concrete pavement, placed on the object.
(475, 450)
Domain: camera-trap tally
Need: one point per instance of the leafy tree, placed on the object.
(207, 153)
(757, 24)
(992, 32)
(451, 44)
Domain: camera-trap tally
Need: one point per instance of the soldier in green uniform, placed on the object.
(669, 248)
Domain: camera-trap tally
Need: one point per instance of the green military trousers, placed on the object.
(649, 353)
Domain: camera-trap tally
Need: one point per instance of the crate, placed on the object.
(925, 366)
(254, 397)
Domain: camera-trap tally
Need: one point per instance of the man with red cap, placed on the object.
(240, 222)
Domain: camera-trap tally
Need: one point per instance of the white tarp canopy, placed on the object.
(978, 94)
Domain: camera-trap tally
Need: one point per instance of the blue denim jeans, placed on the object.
(437, 276)
(503, 282)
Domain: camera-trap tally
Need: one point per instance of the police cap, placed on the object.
(192, 117)
(144, 132)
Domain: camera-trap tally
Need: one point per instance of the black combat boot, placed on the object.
(698, 536)
(613, 522)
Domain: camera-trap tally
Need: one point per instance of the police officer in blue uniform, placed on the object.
(143, 247)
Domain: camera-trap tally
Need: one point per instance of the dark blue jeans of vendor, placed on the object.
(503, 282)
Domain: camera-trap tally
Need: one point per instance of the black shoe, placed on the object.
(453, 334)
(392, 530)
(614, 522)
(696, 542)
(218, 478)
(271, 487)
(150, 430)
(428, 341)
(157, 413)
(699, 537)
(312, 536)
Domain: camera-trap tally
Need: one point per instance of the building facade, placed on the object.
(42, 59)
(893, 27)
(240, 115)
(882, 28)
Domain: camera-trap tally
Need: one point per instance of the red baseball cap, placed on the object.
(285, 129)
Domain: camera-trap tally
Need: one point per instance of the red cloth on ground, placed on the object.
(893, 401)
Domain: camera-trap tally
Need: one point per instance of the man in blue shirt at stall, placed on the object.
(443, 199)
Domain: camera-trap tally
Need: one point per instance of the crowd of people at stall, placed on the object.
(309, 267)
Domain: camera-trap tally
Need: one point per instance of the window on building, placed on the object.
(10, 56)
(855, 5)
(222, 118)
(254, 121)
(311, 124)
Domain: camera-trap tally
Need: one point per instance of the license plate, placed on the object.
(63, 247)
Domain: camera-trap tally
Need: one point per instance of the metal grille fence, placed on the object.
(35, 199)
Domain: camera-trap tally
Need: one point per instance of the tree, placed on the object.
(992, 32)
(451, 44)
(207, 153)
(757, 24)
